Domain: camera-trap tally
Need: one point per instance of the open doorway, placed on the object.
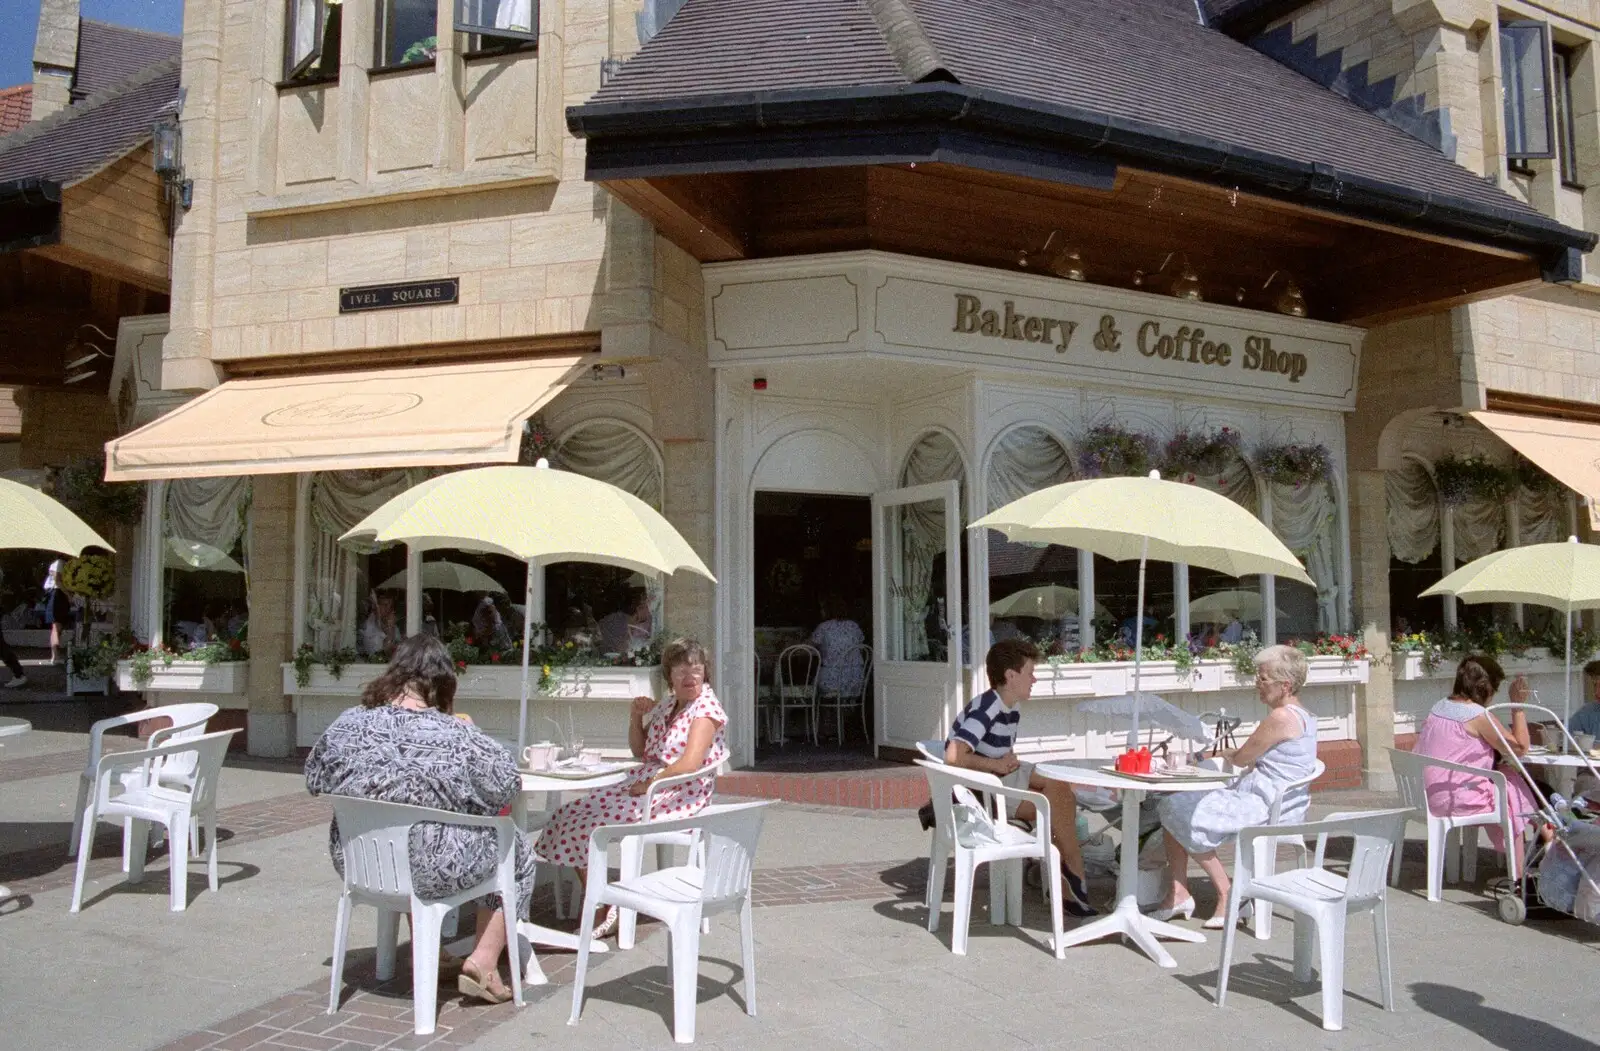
(813, 585)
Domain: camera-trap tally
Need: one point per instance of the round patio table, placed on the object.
(549, 786)
(1126, 919)
(10, 726)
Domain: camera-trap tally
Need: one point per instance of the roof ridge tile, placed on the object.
(914, 52)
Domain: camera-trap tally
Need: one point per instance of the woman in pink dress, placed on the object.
(1458, 730)
(682, 734)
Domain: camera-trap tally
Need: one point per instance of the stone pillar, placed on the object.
(272, 521)
(1370, 556)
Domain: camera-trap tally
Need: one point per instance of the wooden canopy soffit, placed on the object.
(1144, 231)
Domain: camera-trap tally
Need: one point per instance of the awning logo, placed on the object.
(341, 408)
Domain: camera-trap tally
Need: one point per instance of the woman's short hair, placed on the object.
(421, 663)
(682, 651)
(1477, 678)
(1283, 664)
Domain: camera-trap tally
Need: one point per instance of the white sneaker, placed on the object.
(17, 683)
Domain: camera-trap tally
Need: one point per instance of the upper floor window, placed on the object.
(1564, 64)
(497, 24)
(1525, 90)
(406, 32)
(311, 40)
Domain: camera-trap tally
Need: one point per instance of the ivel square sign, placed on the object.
(404, 294)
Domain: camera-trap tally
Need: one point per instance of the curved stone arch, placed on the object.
(987, 460)
(816, 460)
(923, 435)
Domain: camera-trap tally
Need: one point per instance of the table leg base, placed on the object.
(1126, 920)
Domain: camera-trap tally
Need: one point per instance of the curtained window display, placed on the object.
(1224, 609)
(1033, 588)
(346, 610)
(613, 610)
(205, 558)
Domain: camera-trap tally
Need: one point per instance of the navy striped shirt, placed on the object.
(987, 726)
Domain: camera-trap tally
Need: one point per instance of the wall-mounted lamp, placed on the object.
(1291, 300)
(166, 157)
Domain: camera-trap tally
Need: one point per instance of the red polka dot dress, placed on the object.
(565, 840)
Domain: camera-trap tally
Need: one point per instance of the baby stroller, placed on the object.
(1561, 872)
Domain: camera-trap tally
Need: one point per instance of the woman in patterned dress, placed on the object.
(403, 745)
(1283, 749)
(682, 734)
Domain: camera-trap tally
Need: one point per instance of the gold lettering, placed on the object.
(966, 313)
(1032, 329)
(991, 323)
(1067, 329)
(1153, 329)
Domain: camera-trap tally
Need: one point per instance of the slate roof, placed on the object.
(109, 55)
(80, 140)
(1124, 69)
(16, 107)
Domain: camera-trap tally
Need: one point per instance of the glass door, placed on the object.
(916, 588)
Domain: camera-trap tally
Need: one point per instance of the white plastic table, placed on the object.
(1126, 919)
(549, 787)
(10, 726)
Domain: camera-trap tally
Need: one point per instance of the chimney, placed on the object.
(55, 56)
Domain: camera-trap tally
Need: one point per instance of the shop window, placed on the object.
(470, 597)
(497, 25)
(1564, 64)
(614, 610)
(1306, 519)
(1525, 90)
(1033, 588)
(1412, 520)
(1224, 609)
(346, 608)
(204, 559)
(311, 40)
(406, 33)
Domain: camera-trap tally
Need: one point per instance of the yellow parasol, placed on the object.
(30, 519)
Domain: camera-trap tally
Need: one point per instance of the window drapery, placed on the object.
(1541, 516)
(1480, 528)
(613, 452)
(339, 500)
(1306, 519)
(1411, 512)
(208, 510)
(934, 458)
(1025, 460)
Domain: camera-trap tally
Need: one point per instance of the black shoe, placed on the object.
(1076, 899)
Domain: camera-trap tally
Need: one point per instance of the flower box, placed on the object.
(77, 684)
(1115, 678)
(493, 682)
(188, 676)
(1408, 667)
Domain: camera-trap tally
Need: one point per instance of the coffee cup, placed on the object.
(590, 756)
(1585, 742)
(539, 756)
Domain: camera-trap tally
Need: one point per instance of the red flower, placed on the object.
(469, 641)
(494, 658)
(461, 665)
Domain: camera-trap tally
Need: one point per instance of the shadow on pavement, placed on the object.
(155, 884)
(650, 988)
(1514, 1032)
(1269, 979)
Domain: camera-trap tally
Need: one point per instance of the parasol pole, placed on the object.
(527, 624)
(1138, 642)
(1566, 680)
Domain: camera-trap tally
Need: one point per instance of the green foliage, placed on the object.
(1463, 478)
(82, 487)
(1296, 464)
(92, 576)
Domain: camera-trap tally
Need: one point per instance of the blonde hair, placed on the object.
(1284, 664)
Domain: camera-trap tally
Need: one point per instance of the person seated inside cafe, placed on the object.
(836, 639)
(628, 628)
(983, 737)
(380, 631)
(1586, 721)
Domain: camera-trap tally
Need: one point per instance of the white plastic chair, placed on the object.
(794, 679)
(188, 722)
(1266, 848)
(681, 897)
(632, 848)
(1449, 860)
(376, 841)
(147, 801)
(1322, 901)
(838, 702)
(977, 834)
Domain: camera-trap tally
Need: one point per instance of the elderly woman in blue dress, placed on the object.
(1282, 750)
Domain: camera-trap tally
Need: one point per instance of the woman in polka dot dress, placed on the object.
(679, 735)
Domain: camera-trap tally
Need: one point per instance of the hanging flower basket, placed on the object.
(1534, 478)
(1191, 453)
(1296, 464)
(1110, 451)
(92, 576)
(1464, 478)
(537, 440)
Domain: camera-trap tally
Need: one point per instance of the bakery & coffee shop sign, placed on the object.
(1137, 339)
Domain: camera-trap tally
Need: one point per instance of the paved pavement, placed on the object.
(843, 954)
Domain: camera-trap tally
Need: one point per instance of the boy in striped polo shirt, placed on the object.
(983, 737)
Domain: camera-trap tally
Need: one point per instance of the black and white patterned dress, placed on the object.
(430, 759)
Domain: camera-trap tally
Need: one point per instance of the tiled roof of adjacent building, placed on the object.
(1107, 71)
(16, 107)
(78, 141)
(109, 55)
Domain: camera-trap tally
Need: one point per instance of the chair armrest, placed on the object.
(666, 783)
(1041, 806)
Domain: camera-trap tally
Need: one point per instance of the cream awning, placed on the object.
(430, 416)
(1569, 452)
